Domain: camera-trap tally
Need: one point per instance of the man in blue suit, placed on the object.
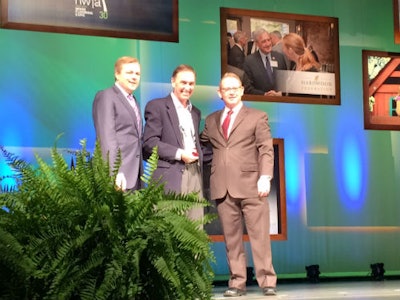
(118, 123)
(172, 124)
(259, 67)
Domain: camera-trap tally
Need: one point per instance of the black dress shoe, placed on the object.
(234, 292)
(269, 291)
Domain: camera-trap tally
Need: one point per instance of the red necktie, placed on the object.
(225, 124)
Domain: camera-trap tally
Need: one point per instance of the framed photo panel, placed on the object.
(305, 63)
(276, 198)
(134, 19)
(381, 85)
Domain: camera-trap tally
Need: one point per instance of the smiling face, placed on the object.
(230, 91)
(264, 42)
(128, 77)
(183, 85)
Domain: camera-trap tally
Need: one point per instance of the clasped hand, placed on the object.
(189, 158)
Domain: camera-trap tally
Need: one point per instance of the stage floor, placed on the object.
(354, 290)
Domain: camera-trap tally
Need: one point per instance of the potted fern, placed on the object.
(68, 233)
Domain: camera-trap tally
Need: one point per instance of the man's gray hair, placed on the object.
(258, 32)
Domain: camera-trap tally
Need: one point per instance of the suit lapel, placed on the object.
(239, 118)
(122, 99)
(173, 117)
(196, 121)
(126, 104)
(218, 123)
(260, 64)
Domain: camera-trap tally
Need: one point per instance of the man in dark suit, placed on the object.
(241, 170)
(172, 124)
(118, 123)
(236, 54)
(260, 66)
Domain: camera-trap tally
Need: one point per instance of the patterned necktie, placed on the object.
(225, 124)
(137, 113)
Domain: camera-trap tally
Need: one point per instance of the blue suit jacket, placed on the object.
(162, 130)
(116, 129)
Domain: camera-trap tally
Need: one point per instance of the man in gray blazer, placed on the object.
(241, 170)
(259, 67)
(172, 124)
(118, 124)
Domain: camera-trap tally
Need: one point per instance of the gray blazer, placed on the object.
(116, 129)
(162, 130)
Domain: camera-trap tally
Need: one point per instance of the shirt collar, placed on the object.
(235, 109)
(264, 55)
(178, 103)
(122, 90)
(240, 46)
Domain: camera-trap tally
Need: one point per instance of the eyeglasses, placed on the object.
(233, 89)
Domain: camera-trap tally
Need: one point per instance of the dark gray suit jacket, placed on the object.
(236, 57)
(162, 130)
(254, 68)
(116, 129)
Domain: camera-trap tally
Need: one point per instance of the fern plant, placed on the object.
(68, 233)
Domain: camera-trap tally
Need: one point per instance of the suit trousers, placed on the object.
(255, 212)
(192, 182)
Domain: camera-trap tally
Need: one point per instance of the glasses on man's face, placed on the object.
(231, 89)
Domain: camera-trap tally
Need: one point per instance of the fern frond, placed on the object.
(81, 238)
(150, 167)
